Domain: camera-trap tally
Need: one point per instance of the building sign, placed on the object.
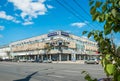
(52, 34)
(64, 33)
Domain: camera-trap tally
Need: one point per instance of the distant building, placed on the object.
(56, 46)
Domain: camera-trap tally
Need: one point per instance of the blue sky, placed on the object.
(20, 19)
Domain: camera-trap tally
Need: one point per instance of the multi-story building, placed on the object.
(57, 46)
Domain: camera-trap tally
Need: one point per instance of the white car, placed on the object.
(91, 61)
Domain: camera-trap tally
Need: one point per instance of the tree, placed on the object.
(107, 12)
(48, 48)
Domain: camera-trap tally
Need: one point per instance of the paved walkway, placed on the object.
(77, 62)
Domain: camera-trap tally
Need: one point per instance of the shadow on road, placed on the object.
(27, 78)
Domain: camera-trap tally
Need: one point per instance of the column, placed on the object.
(73, 57)
(19, 57)
(67, 57)
(35, 57)
(29, 58)
(50, 57)
(84, 57)
(79, 57)
(59, 57)
(42, 57)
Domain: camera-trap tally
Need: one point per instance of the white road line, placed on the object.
(71, 71)
(79, 72)
(58, 76)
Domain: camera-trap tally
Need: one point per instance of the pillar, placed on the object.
(73, 57)
(67, 57)
(84, 57)
(35, 57)
(19, 57)
(59, 57)
(29, 58)
(79, 57)
(42, 57)
(50, 57)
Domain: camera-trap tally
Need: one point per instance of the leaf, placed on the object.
(107, 56)
(93, 10)
(119, 3)
(87, 77)
(95, 16)
(104, 8)
(106, 16)
(105, 62)
(110, 68)
(101, 40)
(101, 34)
(114, 12)
(102, 18)
(89, 35)
(107, 29)
(91, 2)
(84, 32)
(96, 37)
(118, 15)
(98, 4)
(83, 72)
(118, 78)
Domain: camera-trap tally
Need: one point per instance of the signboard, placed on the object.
(52, 34)
(64, 33)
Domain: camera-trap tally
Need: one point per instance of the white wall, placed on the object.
(3, 52)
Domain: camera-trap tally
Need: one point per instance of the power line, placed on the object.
(69, 10)
(75, 11)
(83, 9)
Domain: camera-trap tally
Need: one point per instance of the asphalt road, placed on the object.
(47, 72)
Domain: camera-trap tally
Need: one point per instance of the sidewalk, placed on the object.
(74, 62)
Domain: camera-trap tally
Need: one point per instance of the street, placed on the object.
(12, 71)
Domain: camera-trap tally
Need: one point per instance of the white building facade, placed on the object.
(56, 46)
(5, 52)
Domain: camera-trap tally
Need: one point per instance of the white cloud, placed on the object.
(3, 15)
(78, 24)
(50, 7)
(27, 23)
(2, 27)
(30, 9)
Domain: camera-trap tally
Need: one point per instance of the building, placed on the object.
(5, 52)
(65, 47)
(56, 46)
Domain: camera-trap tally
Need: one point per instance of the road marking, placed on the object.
(71, 71)
(58, 76)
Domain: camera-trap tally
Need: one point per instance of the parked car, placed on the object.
(32, 60)
(47, 61)
(92, 61)
(22, 60)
